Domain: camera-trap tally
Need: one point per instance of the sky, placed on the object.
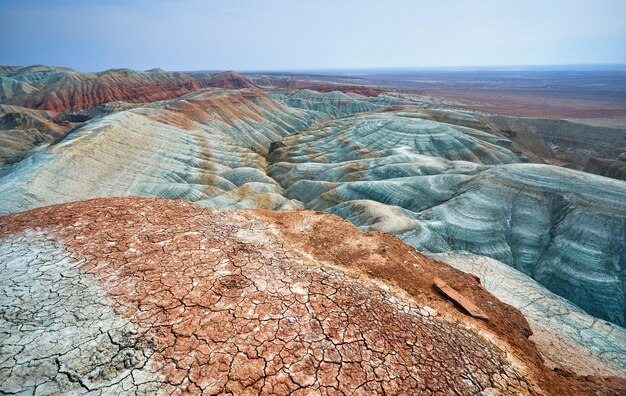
(251, 35)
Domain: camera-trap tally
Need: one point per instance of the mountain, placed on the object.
(198, 147)
(558, 142)
(615, 169)
(334, 103)
(60, 89)
(460, 189)
(228, 79)
(277, 81)
(10, 87)
(24, 129)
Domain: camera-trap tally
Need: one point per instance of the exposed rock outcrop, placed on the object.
(558, 142)
(334, 103)
(10, 87)
(532, 217)
(60, 89)
(615, 169)
(198, 147)
(228, 80)
(382, 134)
(22, 130)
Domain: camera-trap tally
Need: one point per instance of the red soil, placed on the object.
(189, 278)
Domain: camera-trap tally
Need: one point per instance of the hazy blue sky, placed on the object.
(292, 34)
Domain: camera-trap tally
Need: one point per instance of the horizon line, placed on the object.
(511, 67)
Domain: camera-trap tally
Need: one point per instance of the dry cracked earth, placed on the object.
(152, 296)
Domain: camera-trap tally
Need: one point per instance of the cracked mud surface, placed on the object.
(154, 296)
(60, 333)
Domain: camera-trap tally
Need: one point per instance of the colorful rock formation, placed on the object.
(474, 190)
(59, 89)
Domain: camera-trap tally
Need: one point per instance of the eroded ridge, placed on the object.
(156, 296)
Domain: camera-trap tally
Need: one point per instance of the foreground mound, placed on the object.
(131, 295)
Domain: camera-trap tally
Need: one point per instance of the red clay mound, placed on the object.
(252, 301)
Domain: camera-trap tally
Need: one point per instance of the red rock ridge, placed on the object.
(87, 92)
(228, 80)
(357, 89)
